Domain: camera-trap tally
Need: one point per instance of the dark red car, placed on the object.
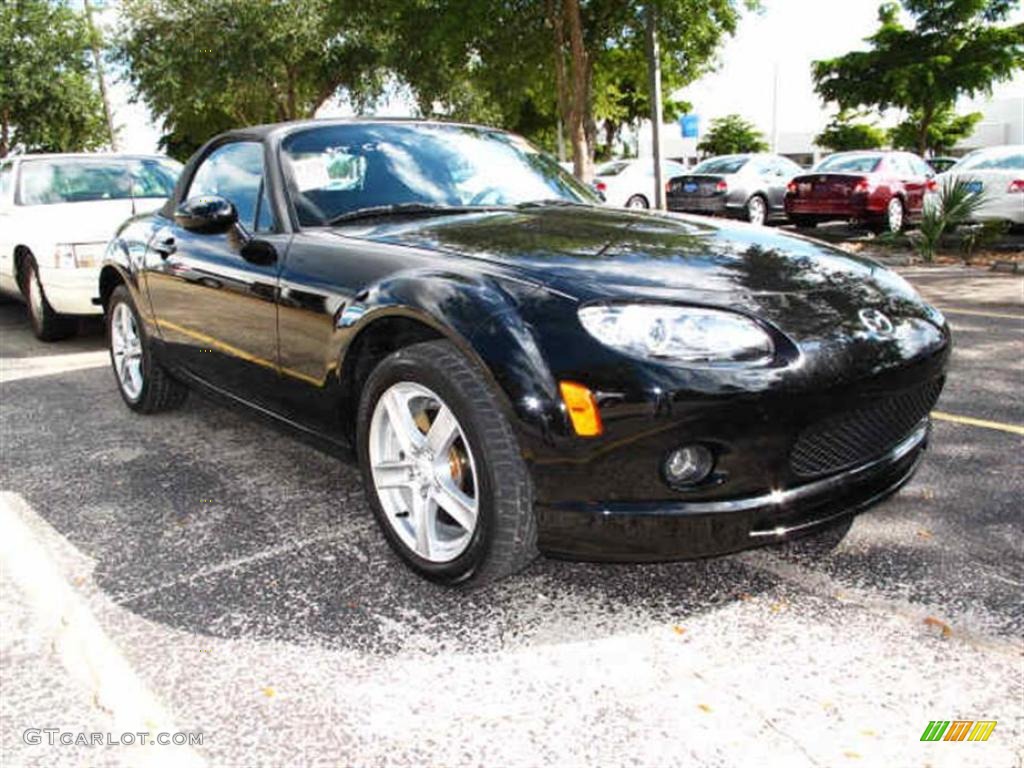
(882, 190)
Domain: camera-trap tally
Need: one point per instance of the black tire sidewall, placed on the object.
(402, 367)
(645, 205)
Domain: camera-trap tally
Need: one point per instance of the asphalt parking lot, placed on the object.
(201, 571)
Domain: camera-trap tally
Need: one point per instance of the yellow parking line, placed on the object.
(998, 425)
(1000, 315)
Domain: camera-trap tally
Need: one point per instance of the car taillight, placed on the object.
(931, 185)
(721, 186)
(1016, 186)
(862, 185)
(600, 186)
(791, 188)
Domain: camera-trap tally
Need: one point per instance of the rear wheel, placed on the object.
(757, 210)
(442, 469)
(894, 218)
(637, 201)
(47, 325)
(143, 383)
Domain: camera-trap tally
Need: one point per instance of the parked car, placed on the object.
(57, 213)
(997, 173)
(941, 164)
(517, 367)
(750, 187)
(882, 190)
(630, 183)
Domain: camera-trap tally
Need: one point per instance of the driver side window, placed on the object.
(235, 172)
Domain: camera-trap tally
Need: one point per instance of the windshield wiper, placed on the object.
(405, 209)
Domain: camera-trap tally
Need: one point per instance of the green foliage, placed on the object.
(943, 132)
(48, 99)
(953, 48)
(955, 204)
(843, 134)
(730, 135)
(204, 67)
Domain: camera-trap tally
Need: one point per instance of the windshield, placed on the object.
(339, 169)
(613, 168)
(79, 180)
(1006, 160)
(721, 165)
(845, 163)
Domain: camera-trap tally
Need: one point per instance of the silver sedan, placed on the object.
(750, 187)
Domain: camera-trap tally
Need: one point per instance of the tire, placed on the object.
(502, 537)
(156, 390)
(637, 201)
(803, 222)
(757, 210)
(47, 325)
(818, 545)
(893, 220)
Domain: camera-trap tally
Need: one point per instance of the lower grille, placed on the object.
(855, 437)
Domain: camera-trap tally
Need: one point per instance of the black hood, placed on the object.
(594, 253)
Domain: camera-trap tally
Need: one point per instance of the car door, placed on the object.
(7, 279)
(214, 294)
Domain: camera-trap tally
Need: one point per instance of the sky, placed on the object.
(786, 35)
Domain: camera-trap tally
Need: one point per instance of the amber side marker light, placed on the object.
(582, 405)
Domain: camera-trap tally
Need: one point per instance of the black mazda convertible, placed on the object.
(517, 368)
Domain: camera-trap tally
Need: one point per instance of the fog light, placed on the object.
(688, 465)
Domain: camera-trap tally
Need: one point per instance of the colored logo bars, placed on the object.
(959, 730)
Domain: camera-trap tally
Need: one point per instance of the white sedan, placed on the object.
(57, 213)
(630, 183)
(998, 174)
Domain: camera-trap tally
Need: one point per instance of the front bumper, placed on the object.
(71, 291)
(653, 531)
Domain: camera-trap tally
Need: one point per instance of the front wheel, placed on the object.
(442, 468)
(47, 325)
(143, 383)
(757, 210)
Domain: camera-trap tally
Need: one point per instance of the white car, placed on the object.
(57, 213)
(630, 183)
(998, 174)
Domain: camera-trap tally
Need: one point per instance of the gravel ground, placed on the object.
(240, 574)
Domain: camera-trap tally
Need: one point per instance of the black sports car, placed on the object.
(517, 368)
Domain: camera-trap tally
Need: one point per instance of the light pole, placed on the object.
(654, 70)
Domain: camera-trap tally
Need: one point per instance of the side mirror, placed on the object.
(206, 214)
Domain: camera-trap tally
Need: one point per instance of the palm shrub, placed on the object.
(954, 204)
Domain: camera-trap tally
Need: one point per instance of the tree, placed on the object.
(204, 67)
(533, 64)
(731, 135)
(954, 48)
(944, 130)
(842, 134)
(48, 102)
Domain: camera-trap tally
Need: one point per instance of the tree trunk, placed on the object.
(98, 61)
(927, 115)
(583, 165)
(5, 133)
(561, 86)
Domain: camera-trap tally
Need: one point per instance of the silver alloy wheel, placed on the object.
(637, 201)
(35, 296)
(424, 472)
(126, 347)
(895, 215)
(756, 210)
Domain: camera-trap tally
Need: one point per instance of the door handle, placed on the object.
(165, 247)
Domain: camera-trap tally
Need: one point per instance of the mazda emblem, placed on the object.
(876, 321)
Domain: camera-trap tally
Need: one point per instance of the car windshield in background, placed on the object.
(992, 161)
(611, 169)
(849, 163)
(721, 165)
(47, 182)
(341, 169)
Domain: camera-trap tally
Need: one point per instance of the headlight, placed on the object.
(68, 256)
(685, 334)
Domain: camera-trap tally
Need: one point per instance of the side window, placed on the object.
(233, 171)
(6, 182)
(921, 168)
(265, 214)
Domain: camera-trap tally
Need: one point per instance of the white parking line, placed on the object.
(90, 657)
(16, 368)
